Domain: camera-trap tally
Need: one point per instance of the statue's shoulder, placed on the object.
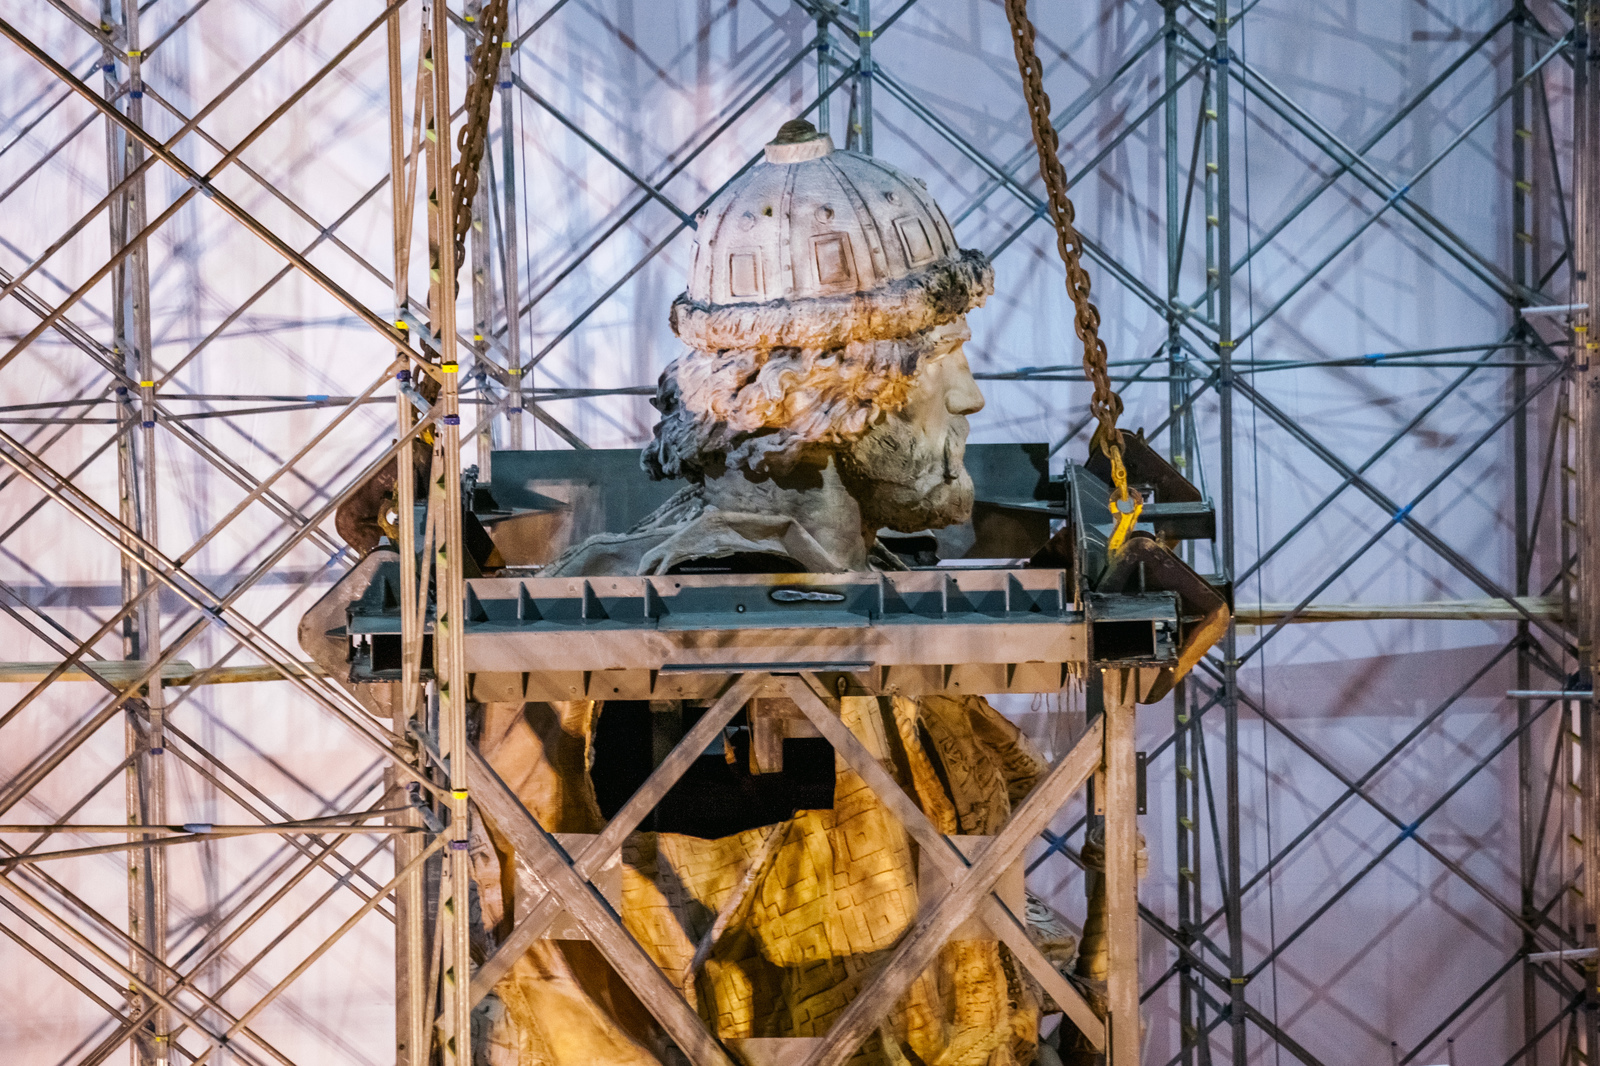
(623, 553)
(686, 531)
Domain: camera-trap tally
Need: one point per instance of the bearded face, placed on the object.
(908, 471)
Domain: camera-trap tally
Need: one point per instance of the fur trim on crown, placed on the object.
(932, 296)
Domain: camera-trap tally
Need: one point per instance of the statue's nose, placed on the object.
(963, 397)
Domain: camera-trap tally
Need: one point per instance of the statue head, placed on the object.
(825, 316)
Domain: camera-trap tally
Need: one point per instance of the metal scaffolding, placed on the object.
(1183, 85)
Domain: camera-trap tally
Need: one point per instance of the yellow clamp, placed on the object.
(1125, 504)
(147, 384)
(458, 793)
(1127, 512)
(449, 368)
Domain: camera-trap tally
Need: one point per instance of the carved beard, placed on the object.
(906, 482)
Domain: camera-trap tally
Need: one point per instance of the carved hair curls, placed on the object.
(760, 408)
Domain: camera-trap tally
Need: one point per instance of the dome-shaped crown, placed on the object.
(814, 224)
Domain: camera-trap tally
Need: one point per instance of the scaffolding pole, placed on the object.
(444, 507)
(1586, 402)
(413, 1013)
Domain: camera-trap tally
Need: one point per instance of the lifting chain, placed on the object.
(492, 22)
(1104, 404)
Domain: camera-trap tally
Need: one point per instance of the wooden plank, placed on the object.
(569, 891)
(1122, 844)
(542, 911)
(772, 721)
(1005, 924)
(971, 886)
(608, 879)
(1011, 888)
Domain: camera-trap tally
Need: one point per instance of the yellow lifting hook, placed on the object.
(1125, 505)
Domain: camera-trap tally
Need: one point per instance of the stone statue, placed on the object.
(824, 396)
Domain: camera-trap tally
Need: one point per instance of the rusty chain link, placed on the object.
(1104, 404)
(474, 134)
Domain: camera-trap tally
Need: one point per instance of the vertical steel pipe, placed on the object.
(144, 728)
(864, 71)
(450, 583)
(412, 1014)
(1520, 254)
(1586, 461)
(508, 246)
(1223, 224)
(1178, 449)
(824, 72)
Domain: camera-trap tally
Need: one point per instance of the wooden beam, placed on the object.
(970, 886)
(1122, 845)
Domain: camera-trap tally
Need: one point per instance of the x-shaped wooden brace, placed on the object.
(566, 885)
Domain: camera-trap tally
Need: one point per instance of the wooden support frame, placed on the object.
(553, 882)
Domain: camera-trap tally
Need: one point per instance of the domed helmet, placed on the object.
(818, 281)
(815, 248)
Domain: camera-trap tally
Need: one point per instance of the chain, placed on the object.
(1104, 404)
(474, 134)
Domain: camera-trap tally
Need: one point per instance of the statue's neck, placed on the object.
(812, 494)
